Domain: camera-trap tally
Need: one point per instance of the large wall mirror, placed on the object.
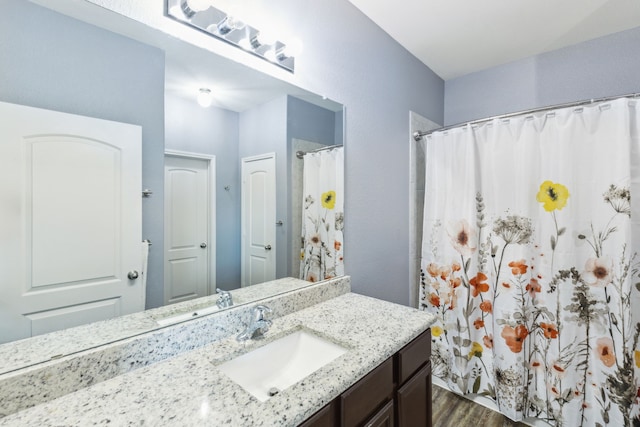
(75, 57)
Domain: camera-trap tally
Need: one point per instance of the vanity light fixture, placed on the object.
(202, 15)
(205, 98)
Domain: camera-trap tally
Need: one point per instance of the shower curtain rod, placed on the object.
(300, 154)
(417, 135)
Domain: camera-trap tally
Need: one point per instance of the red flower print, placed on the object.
(549, 330)
(479, 284)
(518, 267)
(478, 323)
(533, 287)
(337, 245)
(514, 337)
(434, 300)
(487, 340)
(485, 306)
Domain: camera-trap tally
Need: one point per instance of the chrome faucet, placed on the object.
(225, 299)
(258, 325)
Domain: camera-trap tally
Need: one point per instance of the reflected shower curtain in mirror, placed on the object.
(321, 256)
(530, 263)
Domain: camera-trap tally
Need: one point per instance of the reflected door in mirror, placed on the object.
(187, 224)
(258, 219)
(67, 244)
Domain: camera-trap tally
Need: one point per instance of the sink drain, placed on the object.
(273, 391)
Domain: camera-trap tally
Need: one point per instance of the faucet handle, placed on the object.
(225, 299)
(259, 312)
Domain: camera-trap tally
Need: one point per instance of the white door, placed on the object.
(70, 220)
(258, 219)
(187, 223)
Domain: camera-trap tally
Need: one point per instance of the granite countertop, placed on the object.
(189, 389)
(27, 352)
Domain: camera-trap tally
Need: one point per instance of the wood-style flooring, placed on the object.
(451, 410)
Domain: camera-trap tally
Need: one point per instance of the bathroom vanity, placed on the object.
(396, 393)
(383, 374)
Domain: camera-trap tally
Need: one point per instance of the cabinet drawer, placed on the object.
(412, 356)
(363, 398)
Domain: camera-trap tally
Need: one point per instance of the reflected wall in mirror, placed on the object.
(150, 80)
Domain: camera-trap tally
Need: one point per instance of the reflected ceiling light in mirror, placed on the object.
(205, 98)
(202, 15)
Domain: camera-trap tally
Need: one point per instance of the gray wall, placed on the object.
(50, 61)
(351, 60)
(358, 65)
(602, 67)
(189, 127)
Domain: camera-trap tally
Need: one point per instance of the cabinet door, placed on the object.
(414, 400)
(325, 417)
(370, 393)
(384, 417)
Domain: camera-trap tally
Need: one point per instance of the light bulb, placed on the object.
(245, 43)
(204, 97)
(271, 55)
(265, 39)
(198, 5)
(228, 24)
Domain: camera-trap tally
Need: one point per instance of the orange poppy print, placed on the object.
(478, 323)
(533, 287)
(514, 337)
(518, 267)
(479, 284)
(434, 300)
(549, 330)
(604, 350)
(486, 306)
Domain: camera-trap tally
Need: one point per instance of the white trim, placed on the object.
(211, 158)
(190, 155)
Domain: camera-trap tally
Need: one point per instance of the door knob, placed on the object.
(267, 248)
(203, 245)
(132, 275)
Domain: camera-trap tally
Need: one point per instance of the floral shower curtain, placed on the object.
(321, 255)
(530, 263)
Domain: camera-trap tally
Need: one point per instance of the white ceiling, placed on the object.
(457, 37)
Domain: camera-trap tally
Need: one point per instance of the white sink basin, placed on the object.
(278, 365)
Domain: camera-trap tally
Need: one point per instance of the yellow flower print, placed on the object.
(329, 199)
(302, 255)
(552, 195)
(436, 331)
(476, 350)
(636, 356)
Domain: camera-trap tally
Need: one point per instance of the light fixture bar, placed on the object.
(216, 23)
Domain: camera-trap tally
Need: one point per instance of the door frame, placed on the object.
(243, 246)
(211, 217)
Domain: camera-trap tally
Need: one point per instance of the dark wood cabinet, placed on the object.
(397, 393)
(325, 417)
(384, 417)
(410, 399)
